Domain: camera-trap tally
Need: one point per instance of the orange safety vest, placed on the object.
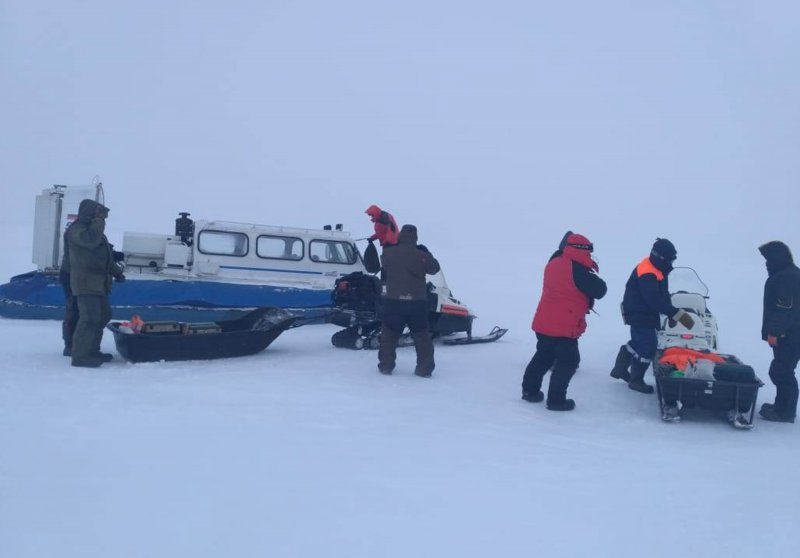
(646, 266)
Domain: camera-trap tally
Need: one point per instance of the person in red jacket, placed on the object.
(570, 288)
(385, 226)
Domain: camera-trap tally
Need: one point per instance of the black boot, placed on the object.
(534, 397)
(636, 382)
(773, 415)
(620, 370)
(566, 405)
(87, 362)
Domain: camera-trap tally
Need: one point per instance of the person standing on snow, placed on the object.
(92, 266)
(71, 313)
(569, 290)
(405, 301)
(385, 226)
(70, 320)
(647, 296)
(781, 329)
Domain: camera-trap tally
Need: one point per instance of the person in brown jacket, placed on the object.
(405, 301)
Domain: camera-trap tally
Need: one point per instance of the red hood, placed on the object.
(373, 211)
(580, 255)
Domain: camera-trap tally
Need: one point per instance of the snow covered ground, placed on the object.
(305, 450)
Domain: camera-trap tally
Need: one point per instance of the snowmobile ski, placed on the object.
(496, 333)
(739, 421)
(670, 414)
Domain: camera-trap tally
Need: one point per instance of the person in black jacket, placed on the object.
(781, 329)
(646, 297)
(405, 301)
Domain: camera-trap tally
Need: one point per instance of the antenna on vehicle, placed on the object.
(98, 184)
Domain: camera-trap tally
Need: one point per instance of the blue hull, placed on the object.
(38, 295)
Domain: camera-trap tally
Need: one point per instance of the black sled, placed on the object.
(140, 341)
(728, 388)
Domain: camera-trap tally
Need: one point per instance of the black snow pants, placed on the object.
(395, 316)
(561, 351)
(782, 373)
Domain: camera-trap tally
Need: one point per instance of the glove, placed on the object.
(118, 256)
(684, 318)
(423, 248)
(772, 340)
(119, 278)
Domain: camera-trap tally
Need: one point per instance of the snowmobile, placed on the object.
(688, 369)
(357, 298)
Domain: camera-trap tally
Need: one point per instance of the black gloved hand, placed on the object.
(118, 256)
(423, 248)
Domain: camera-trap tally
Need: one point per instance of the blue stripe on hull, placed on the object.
(40, 296)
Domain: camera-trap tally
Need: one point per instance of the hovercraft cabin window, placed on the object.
(332, 251)
(279, 248)
(223, 243)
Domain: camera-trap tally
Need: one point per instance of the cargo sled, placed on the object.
(357, 298)
(689, 372)
(139, 341)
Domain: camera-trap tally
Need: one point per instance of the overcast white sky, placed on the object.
(492, 126)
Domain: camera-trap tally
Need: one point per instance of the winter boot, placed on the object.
(536, 397)
(67, 351)
(774, 415)
(623, 363)
(636, 382)
(87, 362)
(105, 357)
(566, 405)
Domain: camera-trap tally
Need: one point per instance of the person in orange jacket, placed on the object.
(386, 230)
(646, 297)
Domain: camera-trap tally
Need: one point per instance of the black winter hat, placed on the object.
(664, 249)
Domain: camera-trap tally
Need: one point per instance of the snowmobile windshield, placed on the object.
(686, 279)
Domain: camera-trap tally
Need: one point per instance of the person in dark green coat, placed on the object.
(92, 267)
(70, 320)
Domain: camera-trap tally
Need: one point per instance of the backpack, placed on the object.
(357, 291)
